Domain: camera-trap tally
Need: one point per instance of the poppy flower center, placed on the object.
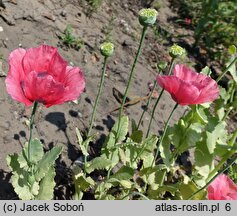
(42, 74)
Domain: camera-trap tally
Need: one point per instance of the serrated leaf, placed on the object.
(123, 129)
(83, 183)
(126, 184)
(98, 163)
(47, 184)
(149, 145)
(46, 162)
(136, 136)
(204, 161)
(186, 190)
(37, 153)
(81, 143)
(185, 136)
(122, 156)
(206, 70)
(165, 151)
(101, 190)
(153, 176)
(134, 125)
(158, 193)
(124, 173)
(215, 130)
(19, 178)
(12, 162)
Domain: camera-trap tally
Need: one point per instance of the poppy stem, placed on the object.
(97, 97)
(164, 133)
(147, 104)
(158, 99)
(226, 70)
(31, 130)
(144, 30)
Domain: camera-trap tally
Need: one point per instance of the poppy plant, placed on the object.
(188, 87)
(41, 75)
(222, 188)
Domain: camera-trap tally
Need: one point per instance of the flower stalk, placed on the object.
(97, 97)
(147, 104)
(164, 133)
(158, 99)
(144, 30)
(31, 130)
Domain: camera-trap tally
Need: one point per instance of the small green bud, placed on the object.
(162, 65)
(147, 16)
(107, 49)
(176, 51)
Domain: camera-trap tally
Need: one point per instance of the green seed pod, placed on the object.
(176, 51)
(107, 49)
(147, 16)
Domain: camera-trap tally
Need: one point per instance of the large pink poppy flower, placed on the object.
(222, 188)
(188, 87)
(41, 74)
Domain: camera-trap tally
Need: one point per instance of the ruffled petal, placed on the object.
(169, 83)
(184, 73)
(57, 67)
(209, 90)
(38, 59)
(74, 83)
(16, 76)
(43, 88)
(182, 92)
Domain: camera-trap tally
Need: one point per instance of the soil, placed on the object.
(31, 23)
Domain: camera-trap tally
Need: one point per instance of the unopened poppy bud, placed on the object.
(147, 16)
(162, 65)
(107, 49)
(177, 51)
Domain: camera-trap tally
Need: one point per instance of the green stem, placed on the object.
(164, 133)
(144, 30)
(158, 99)
(147, 104)
(226, 70)
(213, 178)
(31, 130)
(97, 97)
(95, 106)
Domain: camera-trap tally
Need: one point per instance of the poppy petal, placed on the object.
(74, 83)
(38, 59)
(15, 76)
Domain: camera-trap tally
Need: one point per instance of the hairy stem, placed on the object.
(31, 130)
(144, 30)
(147, 104)
(164, 133)
(97, 97)
(158, 100)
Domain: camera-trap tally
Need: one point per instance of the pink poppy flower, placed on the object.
(188, 87)
(222, 188)
(41, 74)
